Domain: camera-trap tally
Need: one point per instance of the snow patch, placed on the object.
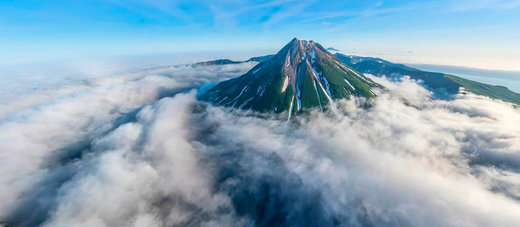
(256, 70)
(352, 71)
(241, 92)
(358, 75)
(318, 94)
(298, 100)
(246, 102)
(313, 55)
(291, 108)
(285, 83)
(327, 93)
(316, 74)
(222, 100)
(260, 91)
(327, 87)
(350, 85)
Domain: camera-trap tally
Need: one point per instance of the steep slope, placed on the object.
(441, 84)
(300, 76)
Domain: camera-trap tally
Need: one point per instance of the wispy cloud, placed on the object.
(287, 12)
(373, 10)
(227, 15)
(469, 5)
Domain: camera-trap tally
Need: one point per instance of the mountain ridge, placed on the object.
(441, 84)
(225, 61)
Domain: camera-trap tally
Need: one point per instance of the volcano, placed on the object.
(301, 76)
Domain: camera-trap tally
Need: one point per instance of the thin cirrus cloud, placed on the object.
(485, 5)
(57, 29)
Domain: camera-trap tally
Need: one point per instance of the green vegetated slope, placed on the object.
(492, 91)
(439, 83)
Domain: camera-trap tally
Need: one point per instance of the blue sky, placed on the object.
(474, 33)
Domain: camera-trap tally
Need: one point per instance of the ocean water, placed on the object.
(509, 79)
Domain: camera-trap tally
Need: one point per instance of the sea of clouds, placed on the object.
(138, 149)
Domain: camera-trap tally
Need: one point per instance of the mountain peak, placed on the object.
(300, 76)
(296, 52)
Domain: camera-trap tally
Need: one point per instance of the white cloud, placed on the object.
(407, 161)
(42, 145)
(146, 174)
(396, 164)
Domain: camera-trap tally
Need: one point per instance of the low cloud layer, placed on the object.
(145, 152)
